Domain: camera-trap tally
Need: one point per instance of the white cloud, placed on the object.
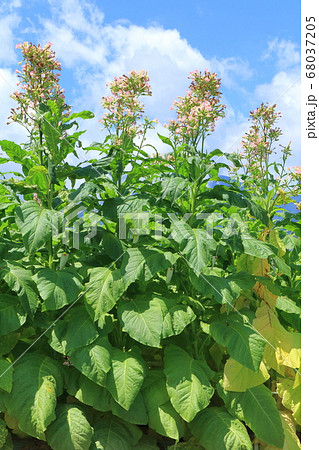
(284, 90)
(285, 52)
(7, 25)
(13, 131)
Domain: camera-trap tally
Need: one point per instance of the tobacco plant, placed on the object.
(145, 301)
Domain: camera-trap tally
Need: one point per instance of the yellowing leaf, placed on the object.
(275, 240)
(282, 348)
(239, 378)
(263, 292)
(291, 439)
(290, 392)
(261, 267)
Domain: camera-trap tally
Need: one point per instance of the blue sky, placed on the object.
(253, 46)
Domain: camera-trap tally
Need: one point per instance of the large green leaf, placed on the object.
(11, 314)
(112, 433)
(136, 414)
(126, 377)
(216, 429)
(8, 341)
(187, 382)
(37, 381)
(255, 247)
(195, 244)
(58, 287)
(20, 281)
(36, 224)
(143, 264)
(93, 360)
(148, 320)
(239, 378)
(86, 391)
(239, 199)
(162, 416)
(71, 429)
(257, 408)
(6, 373)
(13, 150)
(38, 175)
(142, 319)
(223, 290)
(172, 187)
(287, 305)
(76, 331)
(243, 343)
(104, 289)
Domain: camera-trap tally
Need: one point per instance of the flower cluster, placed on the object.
(198, 111)
(39, 81)
(123, 109)
(294, 181)
(257, 143)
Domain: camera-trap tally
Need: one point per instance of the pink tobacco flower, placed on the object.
(198, 111)
(38, 81)
(123, 110)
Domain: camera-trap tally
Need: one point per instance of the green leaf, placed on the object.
(20, 281)
(36, 224)
(103, 290)
(8, 342)
(37, 381)
(282, 266)
(239, 378)
(126, 377)
(162, 416)
(110, 432)
(112, 245)
(136, 414)
(114, 207)
(194, 244)
(216, 429)
(6, 373)
(11, 315)
(74, 332)
(239, 199)
(146, 443)
(14, 151)
(187, 382)
(38, 175)
(173, 187)
(166, 140)
(257, 408)
(93, 360)
(223, 290)
(242, 342)
(87, 392)
(287, 305)
(81, 115)
(52, 135)
(143, 264)
(256, 248)
(57, 288)
(86, 190)
(148, 320)
(71, 429)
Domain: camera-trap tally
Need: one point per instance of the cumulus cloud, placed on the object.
(284, 90)
(7, 26)
(285, 53)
